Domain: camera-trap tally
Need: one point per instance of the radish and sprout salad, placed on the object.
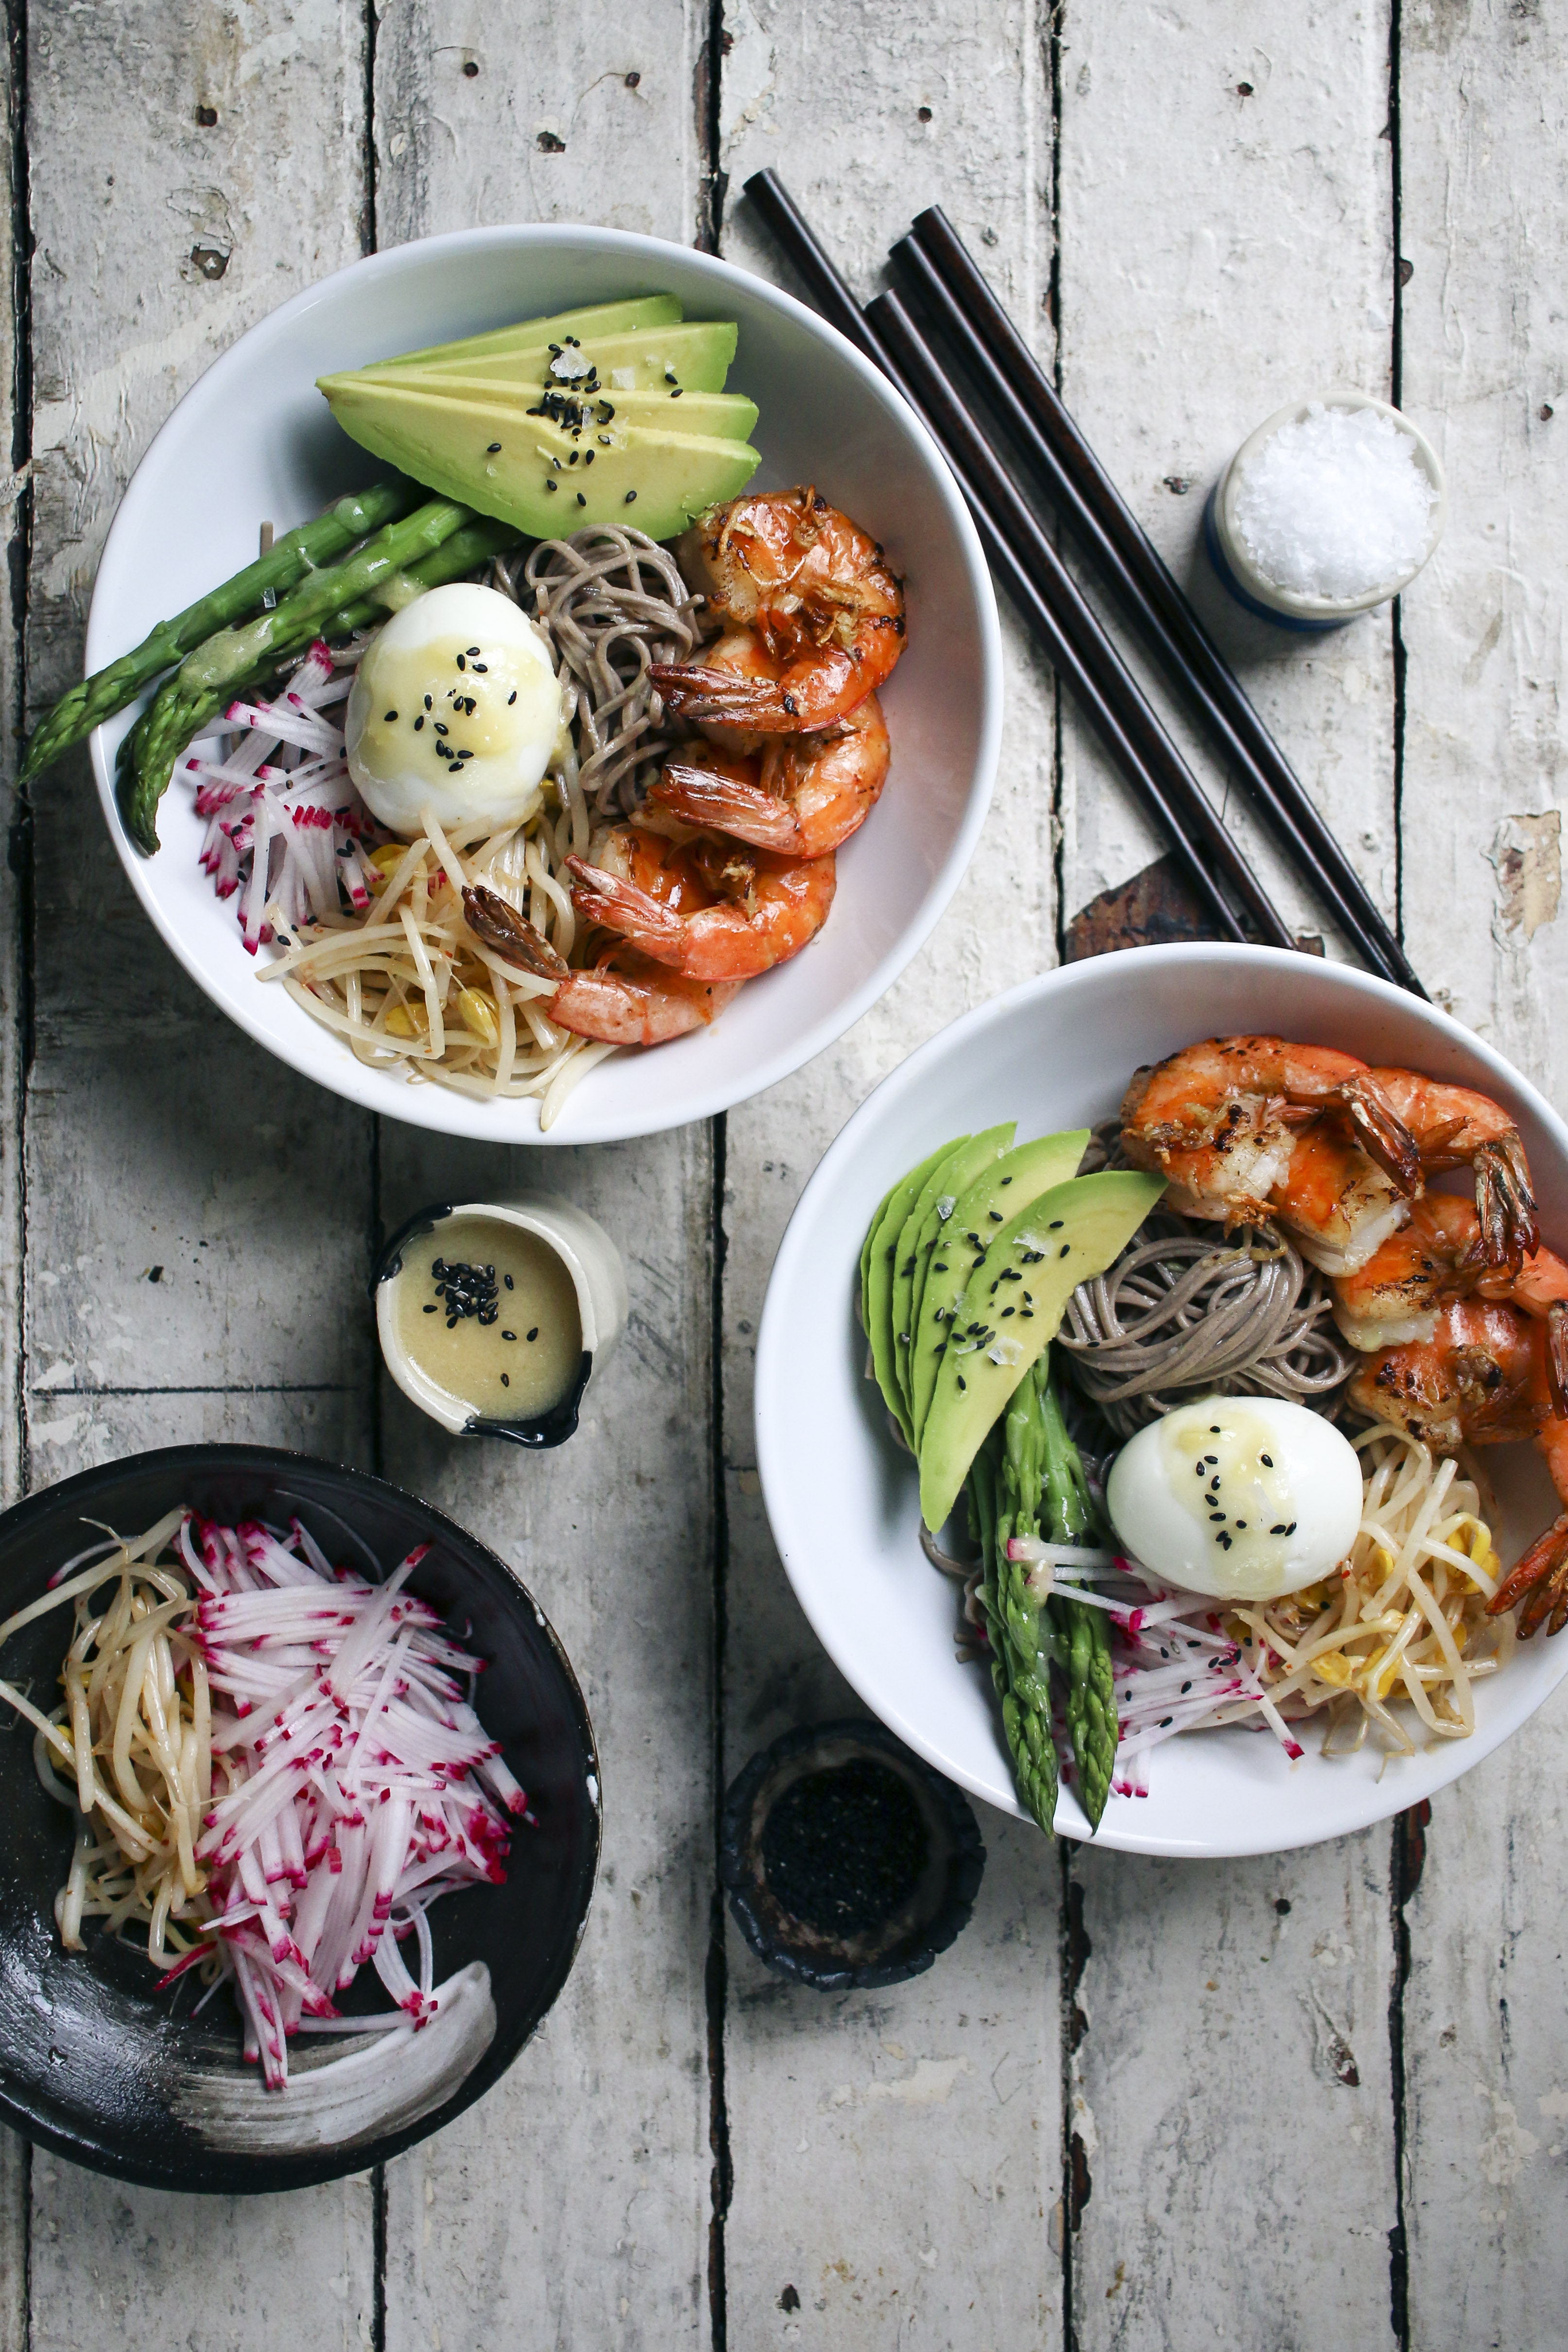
(275, 1768)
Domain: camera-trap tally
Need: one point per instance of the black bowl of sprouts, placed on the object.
(342, 1829)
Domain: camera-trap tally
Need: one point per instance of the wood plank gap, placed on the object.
(209, 1388)
(1397, 393)
(1076, 2184)
(379, 2233)
(715, 182)
(1407, 1854)
(368, 211)
(20, 838)
(1054, 311)
(716, 1974)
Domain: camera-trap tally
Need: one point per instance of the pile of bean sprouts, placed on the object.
(1402, 1619)
(1186, 1311)
(370, 933)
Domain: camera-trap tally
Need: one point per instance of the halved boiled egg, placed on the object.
(454, 709)
(1244, 1497)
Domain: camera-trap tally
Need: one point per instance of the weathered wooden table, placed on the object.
(1316, 2101)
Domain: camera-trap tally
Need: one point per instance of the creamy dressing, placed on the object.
(489, 1313)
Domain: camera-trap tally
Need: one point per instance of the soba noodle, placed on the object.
(1186, 1311)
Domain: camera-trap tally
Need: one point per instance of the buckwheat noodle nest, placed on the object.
(1189, 1310)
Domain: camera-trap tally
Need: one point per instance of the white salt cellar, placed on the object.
(1329, 509)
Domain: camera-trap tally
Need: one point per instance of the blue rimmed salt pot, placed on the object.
(931, 1899)
(598, 1277)
(1289, 608)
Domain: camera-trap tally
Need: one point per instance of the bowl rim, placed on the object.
(442, 1110)
(1155, 967)
(1294, 602)
(223, 2172)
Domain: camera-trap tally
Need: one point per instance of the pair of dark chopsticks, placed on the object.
(958, 304)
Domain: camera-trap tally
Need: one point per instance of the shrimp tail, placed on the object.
(1505, 1203)
(701, 796)
(510, 935)
(1541, 1580)
(603, 897)
(692, 692)
(1382, 1133)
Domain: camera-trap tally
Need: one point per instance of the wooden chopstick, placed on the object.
(935, 259)
(1033, 577)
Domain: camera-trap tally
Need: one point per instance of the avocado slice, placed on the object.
(877, 1291)
(537, 475)
(949, 1178)
(697, 352)
(1069, 1234)
(531, 334)
(719, 415)
(997, 1192)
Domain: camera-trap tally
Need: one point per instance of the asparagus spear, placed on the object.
(211, 675)
(1085, 1645)
(1004, 1496)
(281, 569)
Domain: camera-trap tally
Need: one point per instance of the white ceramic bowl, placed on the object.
(840, 1495)
(253, 442)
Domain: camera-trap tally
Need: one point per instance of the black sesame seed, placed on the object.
(388, 716)
(439, 727)
(494, 449)
(484, 668)
(677, 394)
(1006, 1181)
(1066, 1250)
(1267, 1460)
(580, 500)
(630, 497)
(508, 1335)
(549, 483)
(1281, 1531)
(995, 1215)
(506, 1379)
(573, 458)
(462, 662)
(1241, 1523)
(432, 1310)
(962, 1382)
(1214, 1429)
(588, 456)
(510, 700)
(1056, 1225)
(417, 725)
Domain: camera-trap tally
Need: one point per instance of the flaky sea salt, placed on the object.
(1335, 504)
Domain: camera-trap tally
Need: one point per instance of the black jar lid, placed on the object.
(848, 1864)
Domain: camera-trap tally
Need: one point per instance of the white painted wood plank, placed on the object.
(158, 239)
(112, 2264)
(573, 2207)
(896, 2155)
(1486, 353)
(488, 113)
(1222, 252)
(1225, 248)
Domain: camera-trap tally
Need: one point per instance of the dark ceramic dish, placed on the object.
(848, 1864)
(92, 2060)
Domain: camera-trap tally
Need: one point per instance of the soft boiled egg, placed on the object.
(454, 709)
(1243, 1498)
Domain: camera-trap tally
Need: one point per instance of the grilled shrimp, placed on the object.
(1454, 1127)
(1440, 1254)
(812, 616)
(1247, 1128)
(798, 795)
(1489, 1374)
(707, 910)
(634, 1002)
